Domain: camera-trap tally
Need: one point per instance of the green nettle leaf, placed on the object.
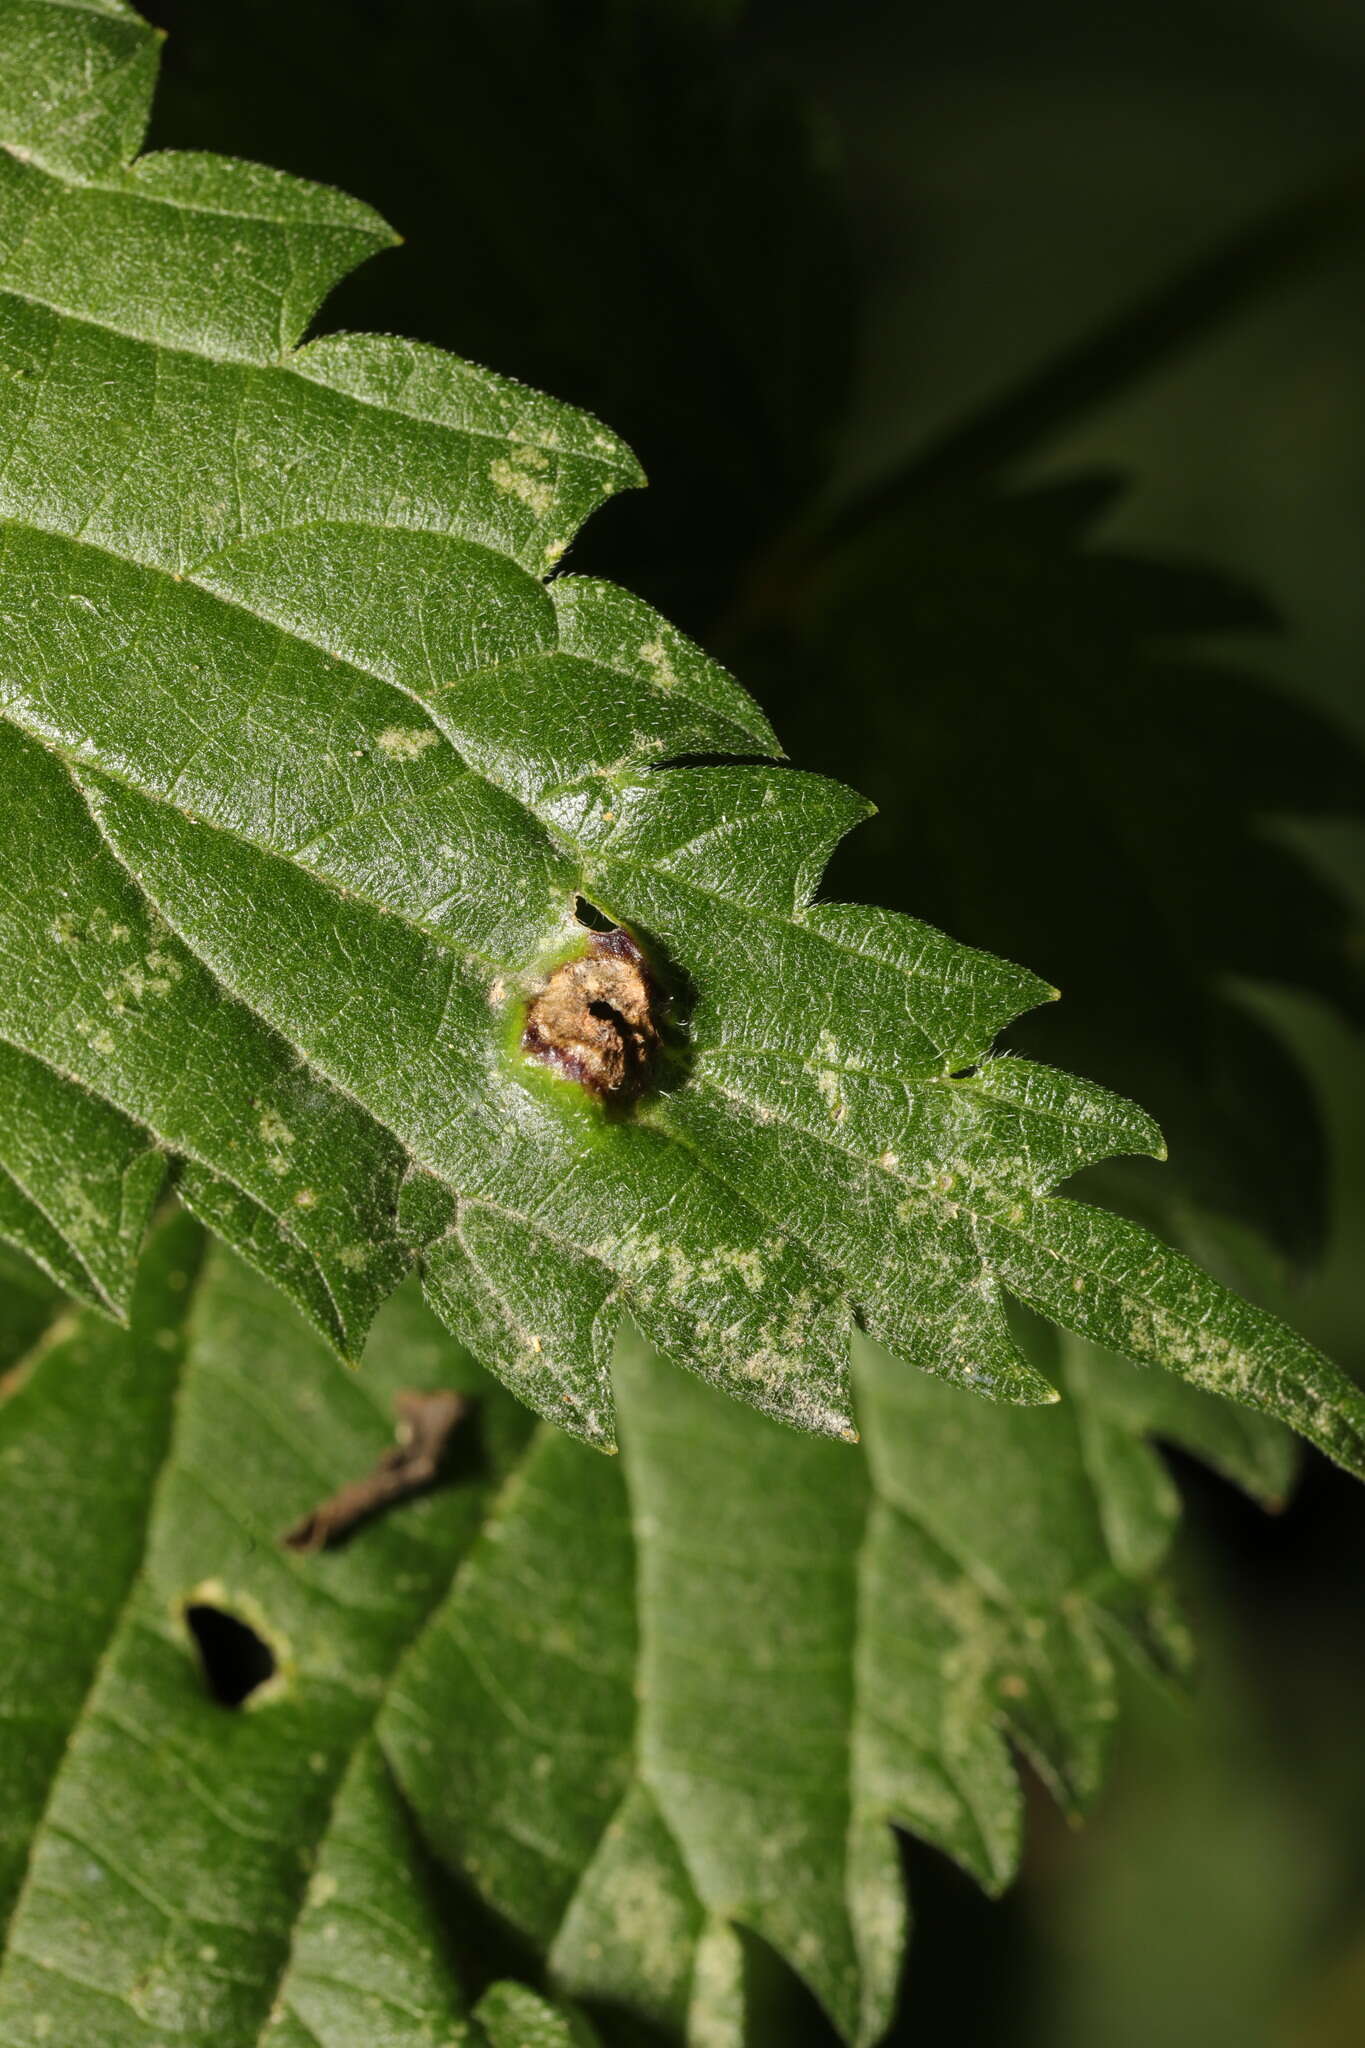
(196, 1873)
(310, 759)
(621, 1709)
(28, 1303)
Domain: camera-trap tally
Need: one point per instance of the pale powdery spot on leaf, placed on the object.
(516, 480)
(793, 1331)
(405, 743)
(1153, 1327)
(655, 657)
(777, 1372)
(831, 1086)
(80, 1209)
(277, 1137)
(749, 1266)
(165, 971)
(639, 1921)
(680, 1270)
(155, 976)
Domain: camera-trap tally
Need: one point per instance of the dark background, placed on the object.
(998, 375)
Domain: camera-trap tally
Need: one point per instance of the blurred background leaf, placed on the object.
(1063, 773)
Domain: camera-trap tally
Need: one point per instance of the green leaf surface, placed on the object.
(822, 1643)
(82, 1436)
(78, 1182)
(627, 1710)
(311, 759)
(28, 1304)
(200, 1873)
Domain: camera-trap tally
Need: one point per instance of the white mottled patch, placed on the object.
(655, 656)
(517, 479)
(277, 1137)
(405, 743)
(830, 1082)
(749, 1266)
(81, 1211)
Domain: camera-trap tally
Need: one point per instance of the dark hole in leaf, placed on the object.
(236, 1662)
(591, 917)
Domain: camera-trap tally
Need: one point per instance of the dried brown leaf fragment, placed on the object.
(426, 1422)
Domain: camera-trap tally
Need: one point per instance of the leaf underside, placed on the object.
(309, 756)
(619, 1709)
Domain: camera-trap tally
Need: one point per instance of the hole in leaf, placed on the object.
(236, 1661)
(591, 917)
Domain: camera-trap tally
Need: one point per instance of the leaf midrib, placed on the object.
(190, 576)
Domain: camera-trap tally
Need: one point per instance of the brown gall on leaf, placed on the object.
(596, 1020)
